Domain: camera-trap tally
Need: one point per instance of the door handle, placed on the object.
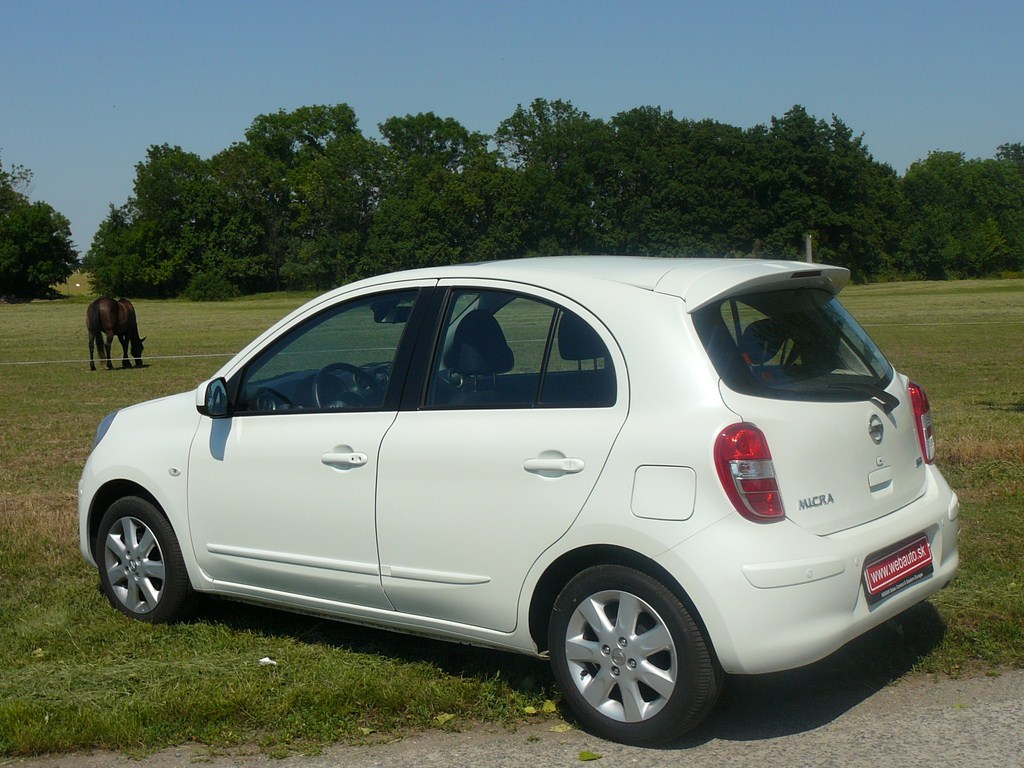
(560, 466)
(343, 460)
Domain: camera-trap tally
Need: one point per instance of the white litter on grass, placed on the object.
(266, 661)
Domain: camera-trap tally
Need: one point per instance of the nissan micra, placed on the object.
(651, 471)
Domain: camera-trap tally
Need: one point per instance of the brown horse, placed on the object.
(106, 317)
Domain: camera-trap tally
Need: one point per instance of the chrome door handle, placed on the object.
(564, 466)
(343, 460)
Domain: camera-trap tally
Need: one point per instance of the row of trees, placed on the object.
(307, 201)
(36, 251)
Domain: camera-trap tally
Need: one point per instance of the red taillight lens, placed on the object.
(747, 473)
(923, 422)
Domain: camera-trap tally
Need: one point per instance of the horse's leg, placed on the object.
(92, 343)
(107, 342)
(123, 338)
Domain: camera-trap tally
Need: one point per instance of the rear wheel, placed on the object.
(142, 572)
(631, 662)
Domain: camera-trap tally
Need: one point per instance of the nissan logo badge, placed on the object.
(875, 429)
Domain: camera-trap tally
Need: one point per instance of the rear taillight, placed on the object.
(923, 422)
(745, 468)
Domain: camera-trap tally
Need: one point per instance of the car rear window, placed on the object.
(796, 344)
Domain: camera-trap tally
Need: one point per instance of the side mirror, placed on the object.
(212, 399)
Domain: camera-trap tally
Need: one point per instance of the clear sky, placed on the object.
(87, 87)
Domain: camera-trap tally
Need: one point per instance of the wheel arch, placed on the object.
(111, 492)
(562, 570)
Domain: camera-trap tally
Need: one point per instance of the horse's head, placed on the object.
(137, 350)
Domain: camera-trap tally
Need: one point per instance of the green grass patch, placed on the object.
(77, 674)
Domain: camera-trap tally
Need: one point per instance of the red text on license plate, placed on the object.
(890, 570)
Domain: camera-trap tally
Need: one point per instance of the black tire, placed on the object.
(142, 572)
(632, 663)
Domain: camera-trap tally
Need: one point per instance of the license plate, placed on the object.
(898, 569)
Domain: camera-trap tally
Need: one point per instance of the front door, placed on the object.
(281, 493)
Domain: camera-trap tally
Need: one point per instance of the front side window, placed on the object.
(501, 349)
(341, 359)
(791, 344)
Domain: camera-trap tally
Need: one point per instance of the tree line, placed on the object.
(36, 251)
(306, 201)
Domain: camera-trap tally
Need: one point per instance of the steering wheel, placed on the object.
(269, 399)
(340, 385)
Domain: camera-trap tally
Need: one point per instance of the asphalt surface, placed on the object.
(789, 721)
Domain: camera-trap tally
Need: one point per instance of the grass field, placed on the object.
(76, 674)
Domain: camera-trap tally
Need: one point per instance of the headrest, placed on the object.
(577, 340)
(761, 341)
(479, 347)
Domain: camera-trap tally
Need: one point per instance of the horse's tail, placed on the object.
(94, 324)
(92, 320)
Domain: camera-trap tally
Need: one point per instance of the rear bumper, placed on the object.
(786, 598)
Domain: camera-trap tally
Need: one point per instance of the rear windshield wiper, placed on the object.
(885, 399)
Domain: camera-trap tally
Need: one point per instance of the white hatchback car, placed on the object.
(651, 471)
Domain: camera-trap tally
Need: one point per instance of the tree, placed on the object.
(819, 178)
(316, 181)
(288, 207)
(560, 158)
(1011, 153)
(440, 198)
(154, 244)
(36, 251)
(645, 195)
(335, 196)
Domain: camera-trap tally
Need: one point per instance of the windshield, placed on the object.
(797, 344)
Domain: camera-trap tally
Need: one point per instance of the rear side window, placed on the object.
(501, 349)
(791, 344)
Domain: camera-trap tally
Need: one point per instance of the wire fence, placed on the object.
(84, 361)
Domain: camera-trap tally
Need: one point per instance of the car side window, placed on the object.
(501, 349)
(341, 359)
(579, 370)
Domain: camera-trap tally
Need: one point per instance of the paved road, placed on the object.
(789, 721)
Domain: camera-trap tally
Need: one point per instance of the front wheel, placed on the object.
(632, 663)
(142, 572)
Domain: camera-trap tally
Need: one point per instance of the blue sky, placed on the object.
(87, 87)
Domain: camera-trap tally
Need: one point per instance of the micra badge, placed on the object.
(817, 501)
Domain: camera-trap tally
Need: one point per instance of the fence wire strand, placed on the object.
(148, 357)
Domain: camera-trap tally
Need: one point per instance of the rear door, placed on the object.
(524, 400)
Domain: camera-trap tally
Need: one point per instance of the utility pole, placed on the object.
(808, 245)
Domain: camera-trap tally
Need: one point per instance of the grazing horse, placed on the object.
(106, 317)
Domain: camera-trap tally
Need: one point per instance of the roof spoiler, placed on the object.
(737, 277)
